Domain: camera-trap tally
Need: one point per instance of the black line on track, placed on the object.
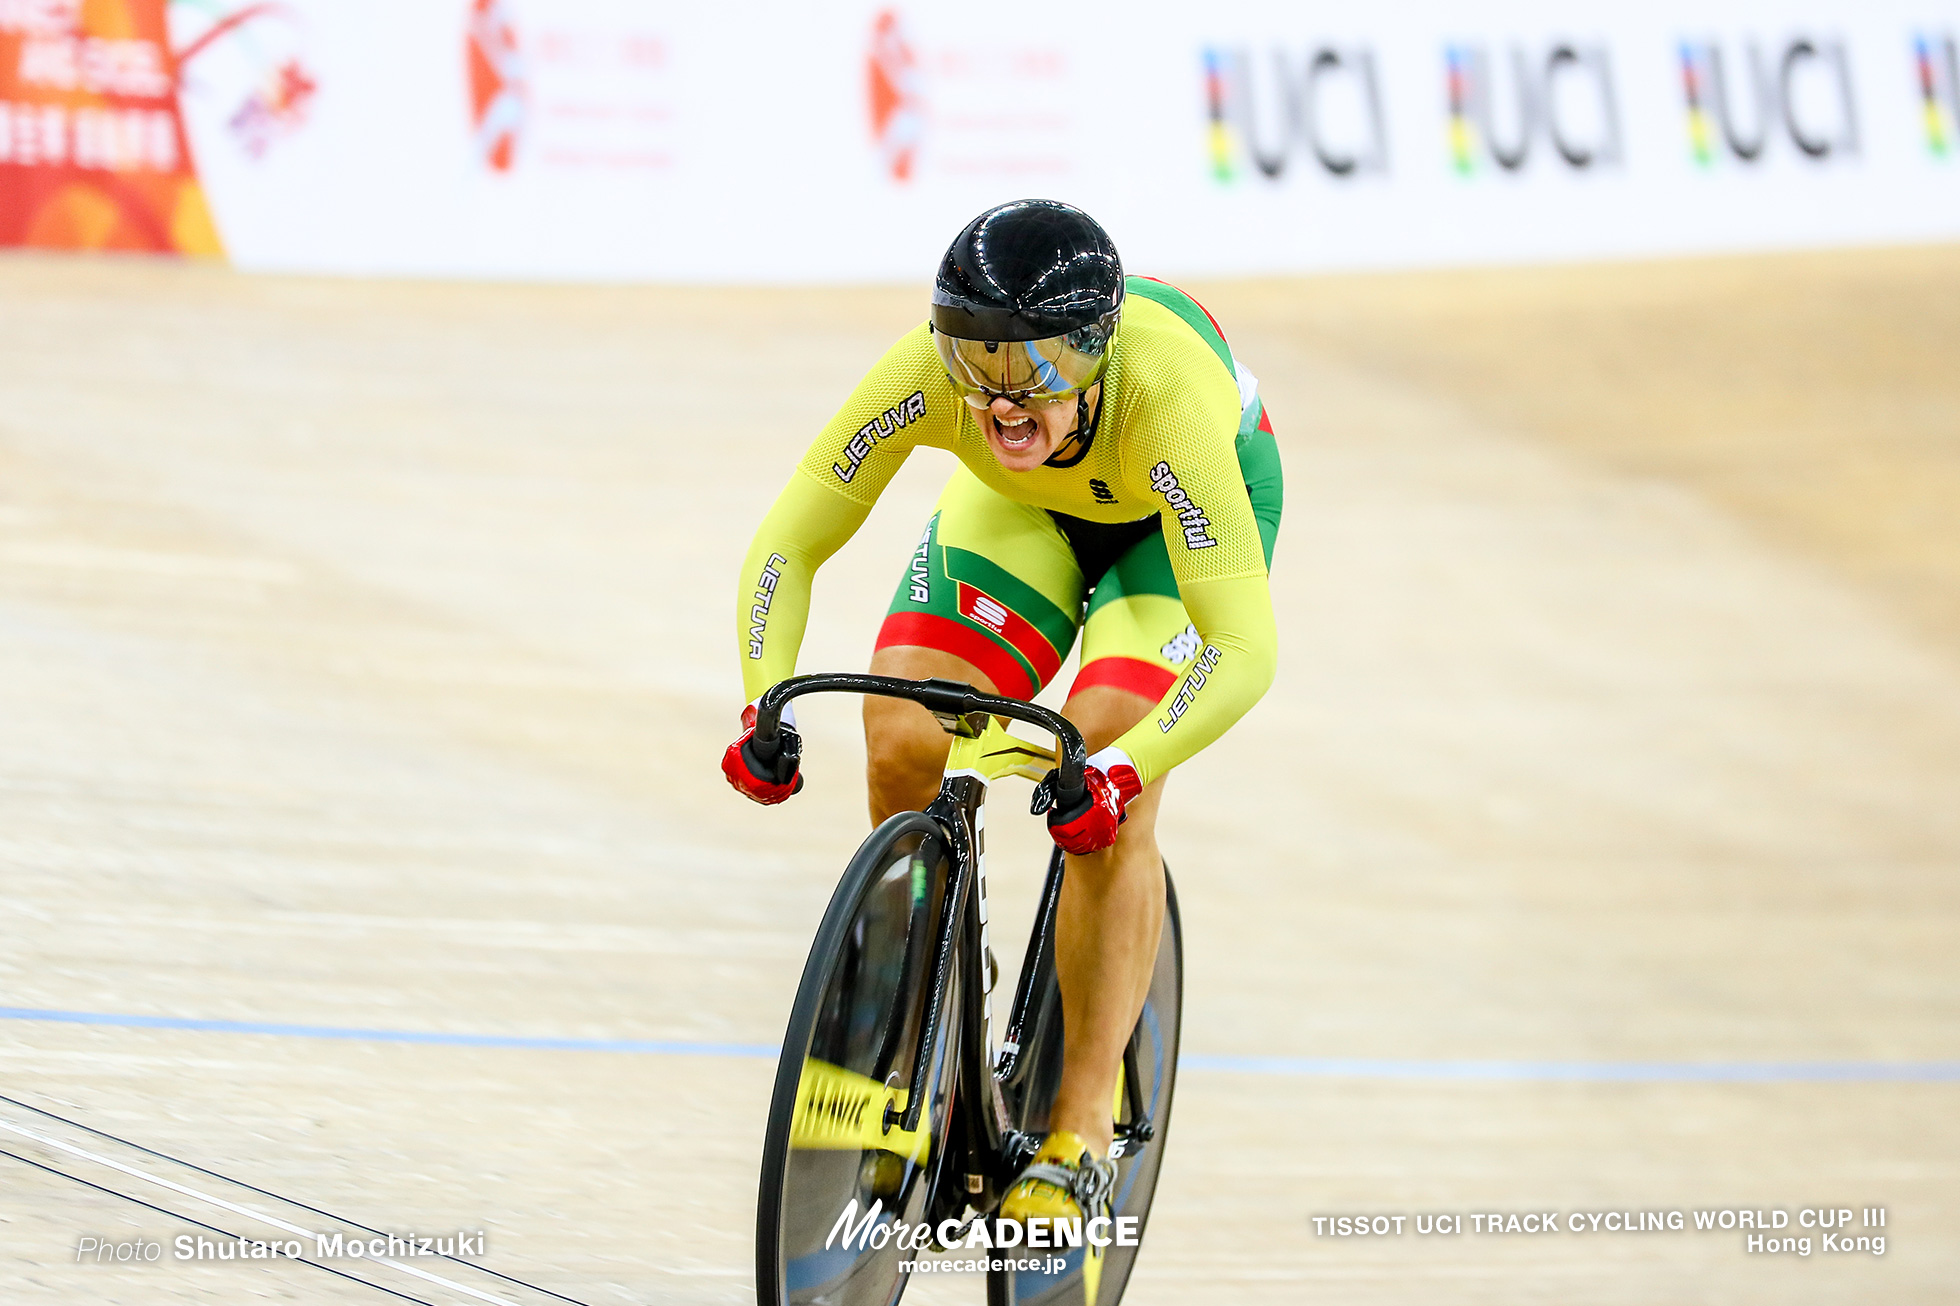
(265, 1192)
(128, 1197)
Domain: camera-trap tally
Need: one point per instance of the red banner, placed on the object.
(93, 153)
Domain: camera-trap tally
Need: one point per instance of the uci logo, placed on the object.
(1501, 107)
(1325, 104)
(1936, 58)
(1739, 97)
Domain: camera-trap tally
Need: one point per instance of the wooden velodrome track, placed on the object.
(365, 656)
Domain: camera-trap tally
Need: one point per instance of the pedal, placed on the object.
(1017, 1149)
(1131, 1138)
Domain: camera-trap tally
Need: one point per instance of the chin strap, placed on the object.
(1083, 435)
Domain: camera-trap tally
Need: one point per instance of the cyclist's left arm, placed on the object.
(1186, 463)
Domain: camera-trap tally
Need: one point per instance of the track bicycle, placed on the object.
(895, 1106)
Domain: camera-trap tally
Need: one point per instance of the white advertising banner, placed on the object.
(845, 142)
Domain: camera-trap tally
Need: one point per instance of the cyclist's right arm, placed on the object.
(807, 524)
(904, 401)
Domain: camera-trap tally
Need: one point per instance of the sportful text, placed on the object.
(1196, 524)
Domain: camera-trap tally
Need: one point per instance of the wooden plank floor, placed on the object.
(365, 657)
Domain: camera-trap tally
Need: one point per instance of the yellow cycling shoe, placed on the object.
(1065, 1181)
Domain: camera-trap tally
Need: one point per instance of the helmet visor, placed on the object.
(1048, 371)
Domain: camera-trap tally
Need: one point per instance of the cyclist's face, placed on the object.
(1023, 438)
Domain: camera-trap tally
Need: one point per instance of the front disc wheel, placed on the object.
(844, 1185)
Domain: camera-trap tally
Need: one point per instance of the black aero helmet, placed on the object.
(1026, 303)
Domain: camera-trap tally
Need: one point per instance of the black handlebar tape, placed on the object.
(769, 715)
(949, 696)
(766, 750)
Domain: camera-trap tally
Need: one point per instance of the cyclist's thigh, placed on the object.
(992, 582)
(904, 746)
(1137, 638)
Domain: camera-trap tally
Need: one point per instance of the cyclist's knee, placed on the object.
(905, 754)
(1103, 713)
(904, 746)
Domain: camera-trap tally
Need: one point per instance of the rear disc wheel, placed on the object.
(1030, 1091)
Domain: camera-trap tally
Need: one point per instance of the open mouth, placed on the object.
(1015, 433)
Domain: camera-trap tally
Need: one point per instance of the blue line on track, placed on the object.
(1595, 1072)
(663, 1047)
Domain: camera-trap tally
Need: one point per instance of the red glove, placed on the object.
(767, 780)
(1110, 784)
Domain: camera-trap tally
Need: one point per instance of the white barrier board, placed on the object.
(845, 142)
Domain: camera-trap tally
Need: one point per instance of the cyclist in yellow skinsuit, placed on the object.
(1117, 476)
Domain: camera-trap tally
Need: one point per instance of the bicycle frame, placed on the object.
(981, 752)
(1131, 1134)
